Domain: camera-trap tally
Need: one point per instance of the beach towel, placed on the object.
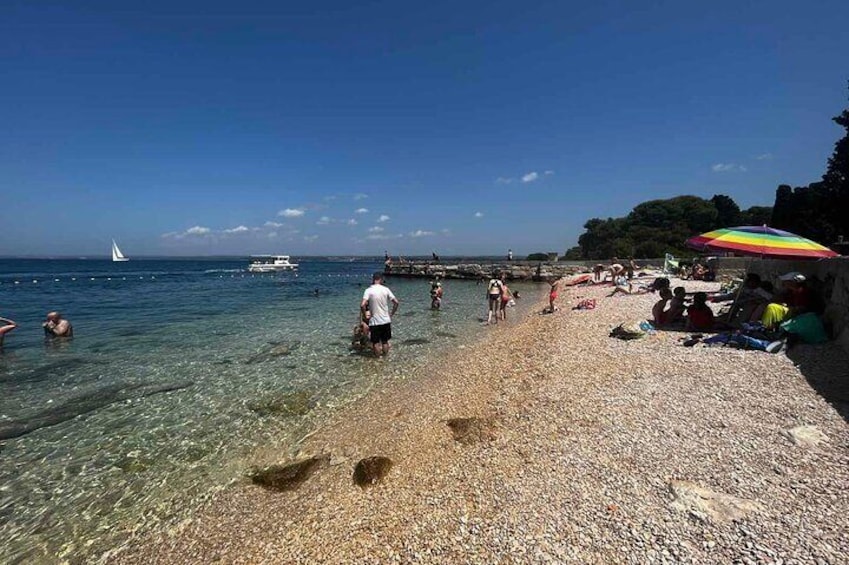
(627, 331)
(586, 304)
(580, 279)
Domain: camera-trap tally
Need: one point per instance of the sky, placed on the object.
(350, 128)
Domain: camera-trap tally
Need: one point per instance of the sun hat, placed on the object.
(794, 276)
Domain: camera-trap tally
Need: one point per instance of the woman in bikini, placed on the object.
(506, 295)
(493, 295)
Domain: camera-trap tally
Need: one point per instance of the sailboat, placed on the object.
(116, 253)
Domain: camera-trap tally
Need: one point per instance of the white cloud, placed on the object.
(361, 211)
(478, 214)
(272, 234)
(238, 229)
(360, 196)
(329, 198)
(548, 172)
(194, 231)
(352, 222)
(420, 233)
(291, 213)
(383, 218)
(503, 180)
(324, 220)
(375, 229)
(381, 236)
(271, 224)
(728, 167)
(530, 177)
(445, 231)
(310, 238)
(764, 157)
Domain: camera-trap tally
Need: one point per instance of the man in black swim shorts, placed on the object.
(377, 299)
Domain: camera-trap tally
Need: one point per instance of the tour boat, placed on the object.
(271, 264)
(117, 256)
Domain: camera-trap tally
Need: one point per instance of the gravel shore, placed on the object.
(585, 449)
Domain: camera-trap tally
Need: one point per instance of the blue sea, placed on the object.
(182, 374)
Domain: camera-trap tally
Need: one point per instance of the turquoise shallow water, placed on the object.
(137, 456)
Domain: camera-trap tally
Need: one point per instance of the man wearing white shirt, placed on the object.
(376, 300)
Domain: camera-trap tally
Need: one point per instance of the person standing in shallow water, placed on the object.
(382, 304)
(493, 296)
(57, 326)
(435, 294)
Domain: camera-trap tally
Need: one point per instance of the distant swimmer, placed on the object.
(8, 325)
(57, 326)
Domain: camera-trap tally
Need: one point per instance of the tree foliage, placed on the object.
(657, 227)
(819, 211)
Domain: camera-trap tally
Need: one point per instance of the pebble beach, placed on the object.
(547, 441)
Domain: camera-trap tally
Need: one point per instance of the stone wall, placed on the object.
(828, 277)
(513, 270)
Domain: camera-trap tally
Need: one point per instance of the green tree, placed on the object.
(756, 216)
(728, 213)
(818, 211)
(573, 254)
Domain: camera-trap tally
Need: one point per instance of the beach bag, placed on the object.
(807, 326)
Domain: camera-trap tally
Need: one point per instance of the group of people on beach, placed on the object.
(55, 326)
(756, 313)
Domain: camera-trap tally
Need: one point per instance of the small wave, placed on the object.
(224, 271)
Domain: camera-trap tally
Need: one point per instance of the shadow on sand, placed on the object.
(824, 367)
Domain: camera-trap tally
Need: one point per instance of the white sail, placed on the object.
(116, 253)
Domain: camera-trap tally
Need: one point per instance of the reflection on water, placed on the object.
(181, 376)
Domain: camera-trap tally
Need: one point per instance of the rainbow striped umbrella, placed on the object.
(760, 241)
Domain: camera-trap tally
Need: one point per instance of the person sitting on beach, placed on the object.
(794, 299)
(8, 325)
(699, 272)
(493, 296)
(749, 302)
(675, 314)
(628, 288)
(658, 284)
(622, 286)
(699, 315)
(658, 310)
(57, 326)
(552, 295)
(506, 295)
